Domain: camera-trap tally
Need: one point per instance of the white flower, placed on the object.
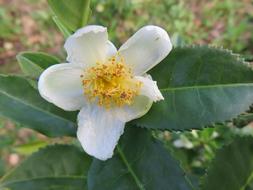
(109, 87)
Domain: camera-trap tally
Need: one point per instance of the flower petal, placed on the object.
(150, 88)
(61, 85)
(87, 45)
(140, 107)
(146, 48)
(111, 49)
(99, 131)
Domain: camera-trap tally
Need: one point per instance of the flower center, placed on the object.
(110, 83)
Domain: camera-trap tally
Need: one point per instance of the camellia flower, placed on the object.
(109, 87)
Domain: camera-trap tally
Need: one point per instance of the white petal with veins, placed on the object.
(61, 85)
(146, 48)
(99, 131)
(87, 45)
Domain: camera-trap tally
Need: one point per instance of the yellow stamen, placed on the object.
(110, 83)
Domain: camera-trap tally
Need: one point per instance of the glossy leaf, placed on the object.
(58, 167)
(72, 15)
(232, 168)
(34, 63)
(201, 86)
(201, 65)
(22, 103)
(140, 162)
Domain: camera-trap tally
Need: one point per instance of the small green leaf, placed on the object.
(34, 63)
(27, 149)
(22, 103)
(58, 167)
(66, 33)
(243, 120)
(72, 15)
(201, 86)
(232, 168)
(140, 162)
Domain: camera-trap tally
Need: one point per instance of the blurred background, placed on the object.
(26, 25)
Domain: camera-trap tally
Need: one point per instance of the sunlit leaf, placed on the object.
(29, 148)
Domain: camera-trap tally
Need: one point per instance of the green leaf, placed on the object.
(201, 86)
(29, 148)
(232, 168)
(58, 167)
(66, 33)
(72, 15)
(140, 162)
(22, 103)
(34, 63)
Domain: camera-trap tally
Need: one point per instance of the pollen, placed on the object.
(110, 83)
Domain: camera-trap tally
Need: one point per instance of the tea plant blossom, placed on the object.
(109, 87)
